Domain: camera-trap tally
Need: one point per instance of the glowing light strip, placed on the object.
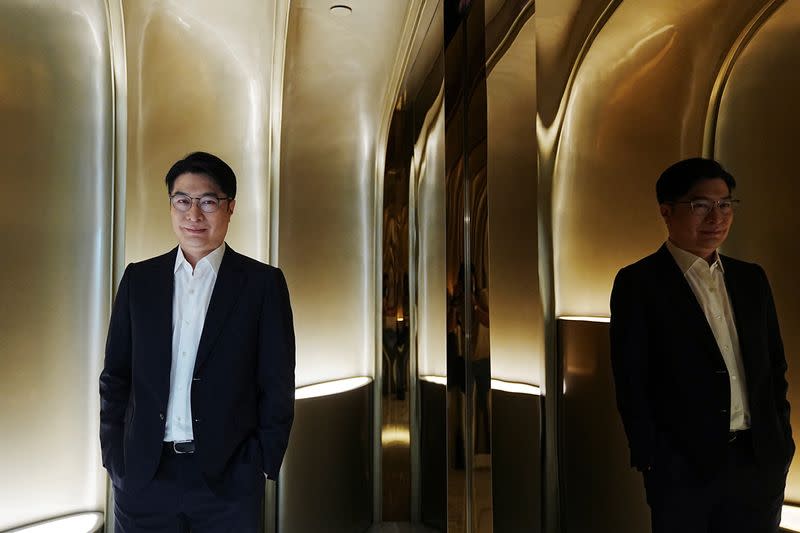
(78, 523)
(396, 436)
(586, 318)
(330, 387)
(518, 388)
(439, 380)
(790, 518)
(497, 384)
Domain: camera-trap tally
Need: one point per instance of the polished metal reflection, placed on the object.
(469, 481)
(57, 171)
(396, 382)
(612, 498)
(755, 140)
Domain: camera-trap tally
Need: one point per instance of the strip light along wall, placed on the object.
(586, 318)
(77, 523)
(330, 387)
(790, 518)
(497, 384)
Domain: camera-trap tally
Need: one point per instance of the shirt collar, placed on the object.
(686, 260)
(214, 259)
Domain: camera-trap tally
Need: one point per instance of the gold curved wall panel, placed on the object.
(756, 141)
(332, 106)
(638, 104)
(515, 313)
(199, 78)
(55, 89)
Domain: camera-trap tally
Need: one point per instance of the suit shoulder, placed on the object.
(254, 265)
(643, 266)
(732, 262)
(151, 263)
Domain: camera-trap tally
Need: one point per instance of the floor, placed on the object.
(400, 527)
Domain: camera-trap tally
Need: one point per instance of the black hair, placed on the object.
(679, 178)
(208, 165)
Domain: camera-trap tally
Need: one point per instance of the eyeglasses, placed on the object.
(208, 203)
(702, 208)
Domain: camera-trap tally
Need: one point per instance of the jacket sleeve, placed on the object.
(630, 364)
(276, 363)
(777, 358)
(115, 379)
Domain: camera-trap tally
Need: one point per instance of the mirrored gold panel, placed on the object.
(638, 103)
(469, 483)
(517, 336)
(756, 141)
(56, 167)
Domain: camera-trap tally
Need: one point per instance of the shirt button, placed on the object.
(733, 378)
(191, 291)
(184, 354)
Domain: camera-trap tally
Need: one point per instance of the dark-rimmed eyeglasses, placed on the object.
(702, 207)
(207, 203)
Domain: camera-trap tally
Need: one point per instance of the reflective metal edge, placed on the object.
(411, 25)
(524, 14)
(416, 400)
(552, 382)
(715, 99)
(119, 95)
(280, 34)
(280, 27)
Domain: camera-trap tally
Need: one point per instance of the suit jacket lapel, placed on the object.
(685, 302)
(737, 292)
(227, 288)
(159, 294)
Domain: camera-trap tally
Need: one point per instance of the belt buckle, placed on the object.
(732, 435)
(178, 449)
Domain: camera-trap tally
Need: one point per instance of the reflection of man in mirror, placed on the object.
(699, 368)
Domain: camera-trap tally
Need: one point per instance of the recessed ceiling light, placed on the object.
(341, 10)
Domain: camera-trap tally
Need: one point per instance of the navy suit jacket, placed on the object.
(672, 385)
(242, 395)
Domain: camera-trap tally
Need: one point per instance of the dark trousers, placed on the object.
(741, 498)
(178, 500)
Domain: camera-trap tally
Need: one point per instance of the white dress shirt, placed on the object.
(708, 284)
(193, 288)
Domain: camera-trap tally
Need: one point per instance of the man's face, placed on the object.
(200, 233)
(696, 232)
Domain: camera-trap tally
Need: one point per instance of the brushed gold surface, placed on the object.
(199, 78)
(335, 77)
(755, 139)
(56, 167)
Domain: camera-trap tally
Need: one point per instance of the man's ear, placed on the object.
(231, 205)
(666, 211)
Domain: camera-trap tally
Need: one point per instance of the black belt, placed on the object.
(179, 447)
(733, 436)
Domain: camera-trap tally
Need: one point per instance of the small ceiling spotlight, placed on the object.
(341, 10)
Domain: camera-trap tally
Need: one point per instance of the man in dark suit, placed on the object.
(197, 392)
(699, 368)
